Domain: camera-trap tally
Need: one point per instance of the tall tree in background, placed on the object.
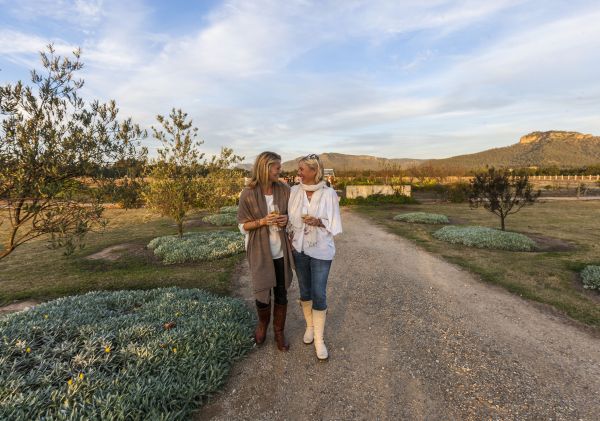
(52, 145)
(181, 179)
(501, 192)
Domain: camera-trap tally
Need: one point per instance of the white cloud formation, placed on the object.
(236, 73)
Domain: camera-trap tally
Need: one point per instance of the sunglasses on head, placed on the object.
(312, 156)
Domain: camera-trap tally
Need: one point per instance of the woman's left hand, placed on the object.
(312, 221)
(282, 220)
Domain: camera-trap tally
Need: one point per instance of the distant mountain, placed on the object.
(343, 162)
(537, 149)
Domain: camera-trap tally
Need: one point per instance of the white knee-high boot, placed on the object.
(319, 327)
(309, 332)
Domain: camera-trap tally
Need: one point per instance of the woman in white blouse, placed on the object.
(314, 219)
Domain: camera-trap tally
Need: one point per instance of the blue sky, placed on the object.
(392, 78)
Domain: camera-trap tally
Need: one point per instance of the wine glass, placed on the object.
(275, 211)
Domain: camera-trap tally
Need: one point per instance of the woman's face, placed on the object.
(275, 171)
(307, 174)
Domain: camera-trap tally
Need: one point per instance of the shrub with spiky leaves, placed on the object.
(590, 276)
(197, 246)
(229, 209)
(483, 237)
(422, 218)
(221, 219)
(136, 355)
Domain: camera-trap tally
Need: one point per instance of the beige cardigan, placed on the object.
(253, 206)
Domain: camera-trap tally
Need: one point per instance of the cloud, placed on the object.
(245, 72)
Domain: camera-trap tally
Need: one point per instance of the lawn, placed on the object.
(569, 229)
(33, 271)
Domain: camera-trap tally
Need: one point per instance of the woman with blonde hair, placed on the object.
(314, 219)
(261, 215)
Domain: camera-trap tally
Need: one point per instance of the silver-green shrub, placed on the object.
(483, 237)
(422, 218)
(221, 219)
(125, 355)
(197, 246)
(229, 209)
(591, 277)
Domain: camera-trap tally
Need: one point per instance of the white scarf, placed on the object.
(296, 225)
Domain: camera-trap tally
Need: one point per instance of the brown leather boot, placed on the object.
(264, 317)
(279, 312)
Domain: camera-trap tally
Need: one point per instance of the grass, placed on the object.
(549, 277)
(33, 271)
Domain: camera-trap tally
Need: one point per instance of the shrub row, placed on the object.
(377, 199)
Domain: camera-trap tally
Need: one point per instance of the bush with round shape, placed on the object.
(422, 218)
(590, 276)
(221, 219)
(140, 355)
(483, 237)
(197, 246)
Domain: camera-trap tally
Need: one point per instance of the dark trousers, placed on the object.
(279, 291)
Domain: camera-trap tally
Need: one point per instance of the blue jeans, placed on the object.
(312, 279)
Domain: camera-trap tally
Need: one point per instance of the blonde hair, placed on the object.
(314, 163)
(260, 171)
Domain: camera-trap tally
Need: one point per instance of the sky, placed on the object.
(389, 78)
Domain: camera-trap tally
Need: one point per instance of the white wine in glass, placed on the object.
(275, 211)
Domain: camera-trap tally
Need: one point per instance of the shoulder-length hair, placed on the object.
(314, 163)
(262, 165)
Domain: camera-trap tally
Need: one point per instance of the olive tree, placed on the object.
(52, 145)
(501, 192)
(180, 179)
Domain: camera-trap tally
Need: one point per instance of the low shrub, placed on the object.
(590, 276)
(377, 199)
(221, 219)
(422, 218)
(155, 354)
(229, 209)
(197, 246)
(483, 237)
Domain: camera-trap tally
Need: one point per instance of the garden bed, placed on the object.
(484, 237)
(155, 354)
(197, 246)
(422, 218)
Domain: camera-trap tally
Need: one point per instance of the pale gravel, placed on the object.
(412, 337)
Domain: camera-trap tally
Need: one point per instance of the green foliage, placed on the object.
(137, 355)
(591, 277)
(377, 199)
(501, 192)
(50, 140)
(422, 218)
(180, 180)
(229, 209)
(483, 237)
(221, 219)
(197, 246)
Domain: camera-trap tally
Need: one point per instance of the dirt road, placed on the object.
(413, 337)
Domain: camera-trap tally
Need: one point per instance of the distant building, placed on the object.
(328, 172)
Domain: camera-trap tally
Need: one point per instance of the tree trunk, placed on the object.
(502, 222)
(180, 228)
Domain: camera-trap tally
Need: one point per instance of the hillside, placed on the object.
(343, 162)
(563, 149)
(537, 149)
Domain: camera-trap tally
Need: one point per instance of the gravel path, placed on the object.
(413, 337)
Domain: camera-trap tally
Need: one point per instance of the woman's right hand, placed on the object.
(271, 219)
